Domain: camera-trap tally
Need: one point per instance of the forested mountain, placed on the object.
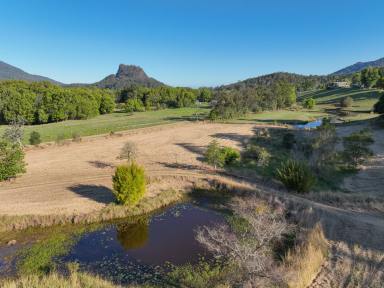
(9, 72)
(126, 76)
(301, 82)
(359, 66)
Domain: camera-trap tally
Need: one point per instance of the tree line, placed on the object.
(369, 78)
(139, 98)
(232, 102)
(43, 102)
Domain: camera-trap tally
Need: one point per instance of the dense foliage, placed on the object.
(369, 78)
(235, 102)
(309, 103)
(43, 102)
(129, 184)
(34, 138)
(11, 160)
(356, 148)
(218, 156)
(139, 98)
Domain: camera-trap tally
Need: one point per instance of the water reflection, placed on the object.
(133, 236)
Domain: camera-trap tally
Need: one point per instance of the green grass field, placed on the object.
(117, 121)
(327, 102)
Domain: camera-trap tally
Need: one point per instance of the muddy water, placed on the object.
(139, 252)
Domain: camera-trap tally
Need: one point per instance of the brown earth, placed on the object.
(76, 178)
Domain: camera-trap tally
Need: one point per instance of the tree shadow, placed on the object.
(241, 139)
(101, 164)
(96, 193)
(199, 150)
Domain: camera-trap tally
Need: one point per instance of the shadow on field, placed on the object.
(199, 150)
(101, 164)
(96, 193)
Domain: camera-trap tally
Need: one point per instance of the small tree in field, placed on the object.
(214, 155)
(309, 103)
(128, 152)
(129, 184)
(34, 138)
(11, 160)
(346, 102)
(356, 148)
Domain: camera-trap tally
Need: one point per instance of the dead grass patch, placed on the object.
(304, 261)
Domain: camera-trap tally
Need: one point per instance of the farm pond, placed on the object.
(124, 251)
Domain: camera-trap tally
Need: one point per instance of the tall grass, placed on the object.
(304, 261)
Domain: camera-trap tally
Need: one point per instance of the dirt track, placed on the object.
(76, 178)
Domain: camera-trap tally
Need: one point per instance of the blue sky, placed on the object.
(189, 43)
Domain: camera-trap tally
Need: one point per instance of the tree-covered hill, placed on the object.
(9, 72)
(359, 66)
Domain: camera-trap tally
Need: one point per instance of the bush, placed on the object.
(11, 160)
(258, 153)
(129, 184)
(230, 155)
(289, 140)
(134, 105)
(35, 138)
(309, 103)
(296, 176)
(356, 148)
(214, 155)
(346, 102)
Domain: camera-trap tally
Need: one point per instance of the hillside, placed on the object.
(360, 66)
(9, 72)
(128, 75)
(301, 81)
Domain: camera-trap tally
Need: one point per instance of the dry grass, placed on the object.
(305, 260)
(54, 280)
(112, 211)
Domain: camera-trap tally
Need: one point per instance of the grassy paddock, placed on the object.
(114, 122)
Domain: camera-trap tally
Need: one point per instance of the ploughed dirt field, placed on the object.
(76, 177)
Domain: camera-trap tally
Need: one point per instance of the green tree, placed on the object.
(129, 184)
(214, 155)
(356, 148)
(107, 104)
(309, 103)
(11, 160)
(34, 138)
(370, 76)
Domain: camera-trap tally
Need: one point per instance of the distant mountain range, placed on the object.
(129, 74)
(125, 76)
(357, 67)
(9, 72)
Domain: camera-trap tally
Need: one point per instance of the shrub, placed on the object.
(129, 184)
(76, 137)
(258, 153)
(128, 152)
(230, 155)
(296, 175)
(35, 138)
(214, 155)
(356, 148)
(289, 140)
(346, 102)
(134, 105)
(309, 103)
(11, 160)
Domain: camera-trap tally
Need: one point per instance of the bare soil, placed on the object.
(75, 178)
